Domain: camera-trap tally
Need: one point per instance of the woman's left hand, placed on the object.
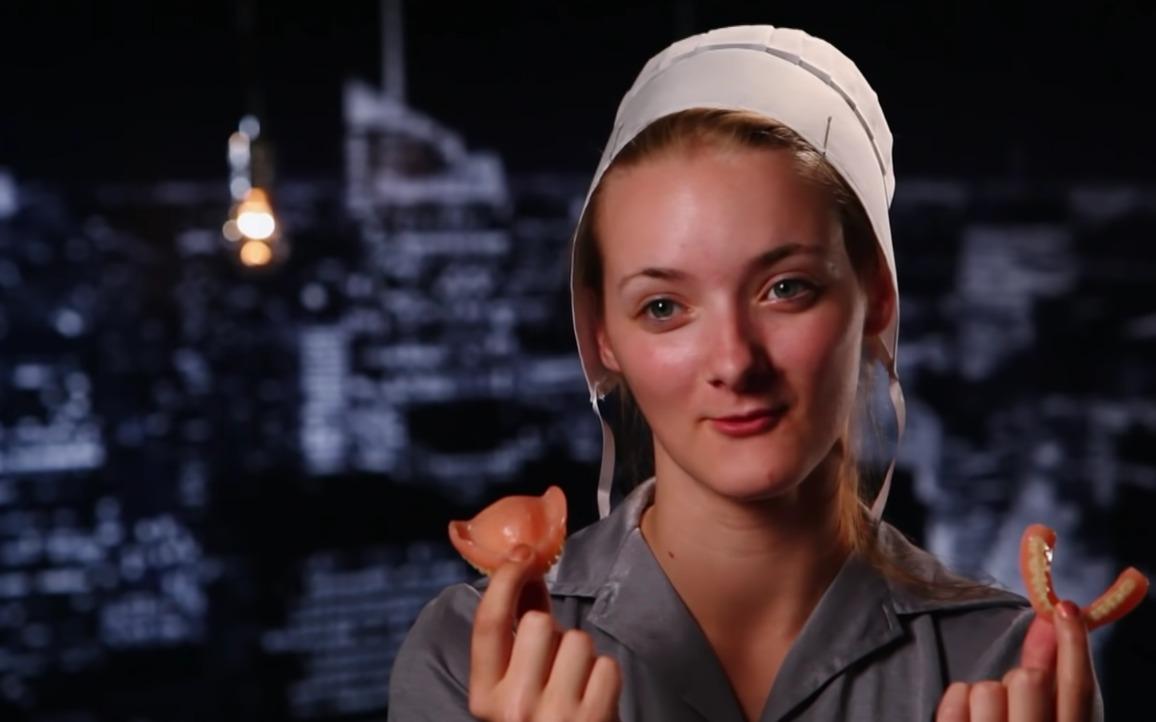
(1054, 682)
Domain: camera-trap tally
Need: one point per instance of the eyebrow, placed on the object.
(763, 260)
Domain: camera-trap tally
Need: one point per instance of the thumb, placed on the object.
(1040, 645)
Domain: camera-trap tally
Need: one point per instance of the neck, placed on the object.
(741, 564)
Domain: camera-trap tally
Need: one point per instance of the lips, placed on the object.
(752, 422)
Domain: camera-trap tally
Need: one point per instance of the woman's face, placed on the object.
(728, 290)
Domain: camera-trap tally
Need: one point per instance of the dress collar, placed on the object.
(635, 603)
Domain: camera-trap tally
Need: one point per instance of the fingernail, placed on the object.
(1068, 610)
(520, 553)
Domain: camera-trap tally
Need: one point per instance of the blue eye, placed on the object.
(788, 288)
(660, 308)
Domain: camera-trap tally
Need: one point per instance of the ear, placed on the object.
(880, 305)
(605, 351)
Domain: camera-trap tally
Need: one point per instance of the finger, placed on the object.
(1030, 696)
(953, 705)
(572, 667)
(1075, 681)
(1039, 647)
(533, 656)
(492, 638)
(534, 597)
(600, 700)
(987, 702)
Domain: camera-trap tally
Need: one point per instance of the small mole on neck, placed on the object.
(670, 554)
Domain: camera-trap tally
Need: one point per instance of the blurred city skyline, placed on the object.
(223, 490)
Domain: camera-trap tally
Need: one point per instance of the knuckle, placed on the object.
(518, 711)
(1026, 680)
(576, 641)
(610, 663)
(1079, 686)
(954, 699)
(555, 710)
(985, 691)
(536, 621)
(608, 666)
(487, 622)
(1084, 693)
(479, 706)
(1017, 675)
(1033, 677)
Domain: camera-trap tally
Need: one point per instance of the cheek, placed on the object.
(660, 368)
(823, 358)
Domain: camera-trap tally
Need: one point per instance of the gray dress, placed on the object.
(869, 651)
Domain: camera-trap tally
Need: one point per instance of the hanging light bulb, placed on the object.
(251, 225)
(255, 216)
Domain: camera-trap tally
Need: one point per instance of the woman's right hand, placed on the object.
(537, 673)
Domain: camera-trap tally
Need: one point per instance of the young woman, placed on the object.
(733, 279)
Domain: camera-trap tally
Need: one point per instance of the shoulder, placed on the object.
(591, 553)
(973, 595)
(430, 676)
(982, 642)
(978, 627)
(442, 628)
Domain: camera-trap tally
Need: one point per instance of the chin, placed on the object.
(744, 478)
(759, 468)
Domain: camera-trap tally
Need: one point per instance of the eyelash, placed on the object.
(807, 287)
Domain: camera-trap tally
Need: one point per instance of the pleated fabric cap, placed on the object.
(786, 75)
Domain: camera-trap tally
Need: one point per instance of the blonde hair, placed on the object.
(738, 130)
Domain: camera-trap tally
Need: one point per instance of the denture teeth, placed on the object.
(537, 521)
(1036, 550)
(1113, 600)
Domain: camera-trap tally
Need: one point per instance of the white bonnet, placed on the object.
(800, 81)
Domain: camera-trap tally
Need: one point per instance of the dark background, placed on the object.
(970, 88)
(223, 490)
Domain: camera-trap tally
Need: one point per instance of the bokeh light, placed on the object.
(256, 253)
(255, 217)
(230, 230)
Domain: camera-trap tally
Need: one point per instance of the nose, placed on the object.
(737, 359)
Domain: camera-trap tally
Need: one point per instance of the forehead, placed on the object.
(687, 208)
